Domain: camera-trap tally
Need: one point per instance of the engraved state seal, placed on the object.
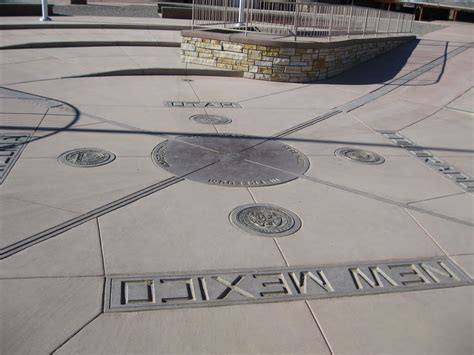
(210, 119)
(360, 155)
(86, 157)
(265, 220)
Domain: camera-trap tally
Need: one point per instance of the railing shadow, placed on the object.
(254, 138)
(386, 67)
(48, 103)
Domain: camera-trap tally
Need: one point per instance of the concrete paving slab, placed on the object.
(57, 123)
(392, 113)
(460, 206)
(466, 262)
(429, 318)
(215, 89)
(457, 32)
(454, 238)
(80, 189)
(315, 96)
(16, 227)
(40, 314)
(95, 20)
(81, 52)
(262, 121)
(447, 133)
(464, 103)
(164, 120)
(21, 121)
(84, 66)
(402, 179)
(139, 91)
(166, 229)
(343, 227)
(16, 56)
(456, 80)
(73, 35)
(75, 253)
(339, 131)
(34, 71)
(101, 135)
(150, 51)
(24, 106)
(248, 329)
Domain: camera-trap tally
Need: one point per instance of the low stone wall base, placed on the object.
(264, 59)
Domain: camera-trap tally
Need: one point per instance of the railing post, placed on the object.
(295, 22)
(251, 13)
(246, 16)
(225, 13)
(44, 9)
(192, 16)
(365, 22)
(350, 20)
(330, 23)
(241, 12)
(378, 23)
(411, 24)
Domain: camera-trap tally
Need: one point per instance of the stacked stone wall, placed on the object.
(277, 63)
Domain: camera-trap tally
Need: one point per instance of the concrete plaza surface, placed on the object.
(68, 233)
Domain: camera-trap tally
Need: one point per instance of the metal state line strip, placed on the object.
(361, 101)
(77, 221)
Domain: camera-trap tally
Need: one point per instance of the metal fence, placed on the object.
(298, 19)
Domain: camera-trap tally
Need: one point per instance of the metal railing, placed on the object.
(298, 19)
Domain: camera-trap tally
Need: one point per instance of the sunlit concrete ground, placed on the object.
(52, 292)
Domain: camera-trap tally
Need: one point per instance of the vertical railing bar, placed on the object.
(225, 13)
(295, 20)
(388, 23)
(398, 23)
(192, 17)
(304, 19)
(250, 13)
(365, 22)
(350, 19)
(330, 24)
(378, 23)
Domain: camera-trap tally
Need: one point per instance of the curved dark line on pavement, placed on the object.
(111, 26)
(279, 137)
(75, 44)
(77, 114)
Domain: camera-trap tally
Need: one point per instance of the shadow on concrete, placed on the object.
(386, 67)
(48, 103)
(172, 135)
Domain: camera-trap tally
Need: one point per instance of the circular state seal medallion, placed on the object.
(265, 220)
(360, 155)
(231, 160)
(86, 157)
(210, 119)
